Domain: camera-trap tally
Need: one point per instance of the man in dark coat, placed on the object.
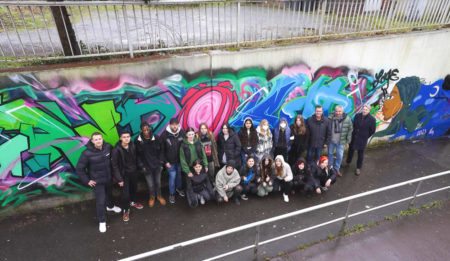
(363, 127)
(94, 169)
(320, 134)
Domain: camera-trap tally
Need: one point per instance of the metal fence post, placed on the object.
(255, 250)
(344, 222)
(324, 4)
(127, 29)
(415, 194)
(238, 21)
(388, 19)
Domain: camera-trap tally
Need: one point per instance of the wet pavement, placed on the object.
(71, 232)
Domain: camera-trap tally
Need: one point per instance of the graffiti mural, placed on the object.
(44, 126)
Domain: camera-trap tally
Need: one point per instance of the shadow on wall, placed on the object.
(44, 125)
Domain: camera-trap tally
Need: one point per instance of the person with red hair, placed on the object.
(323, 175)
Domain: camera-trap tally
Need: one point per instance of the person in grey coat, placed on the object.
(227, 183)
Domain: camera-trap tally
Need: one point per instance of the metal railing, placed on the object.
(71, 29)
(349, 200)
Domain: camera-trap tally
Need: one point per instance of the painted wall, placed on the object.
(47, 116)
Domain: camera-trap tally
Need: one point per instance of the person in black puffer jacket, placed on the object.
(125, 166)
(150, 152)
(94, 169)
(249, 139)
(323, 175)
(200, 188)
(299, 139)
(302, 181)
(229, 146)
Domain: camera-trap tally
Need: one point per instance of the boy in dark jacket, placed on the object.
(125, 164)
(171, 140)
(94, 169)
(149, 149)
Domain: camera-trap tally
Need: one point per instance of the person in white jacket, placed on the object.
(283, 177)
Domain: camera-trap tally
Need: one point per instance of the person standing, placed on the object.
(364, 126)
(229, 146)
(190, 150)
(319, 132)
(125, 164)
(171, 140)
(341, 135)
(249, 139)
(299, 139)
(94, 169)
(149, 148)
(206, 137)
(265, 143)
(281, 139)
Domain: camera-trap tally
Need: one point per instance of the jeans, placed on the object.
(174, 177)
(128, 191)
(153, 178)
(317, 151)
(102, 200)
(339, 154)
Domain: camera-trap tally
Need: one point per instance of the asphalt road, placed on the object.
(71, 232)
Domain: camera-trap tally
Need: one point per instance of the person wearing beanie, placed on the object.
(266, 174)
(227, 183)
(249, 139)
(283, 177)
(323, 175)
(248, 173)
(302, 180)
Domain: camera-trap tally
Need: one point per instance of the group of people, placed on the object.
(255, 160)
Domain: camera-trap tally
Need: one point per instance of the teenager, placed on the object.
(283, 177)
(171, 140)
(206, 137)
(299, 139)
(323, 175)
(149, 149)
(229, 146)
(281, 138)
(265, 180)
(227, 183)
(302, 181)
(124, 164)
(265, 143)
(94, 169)
(249, 139)
(199, 188)
(249, 174)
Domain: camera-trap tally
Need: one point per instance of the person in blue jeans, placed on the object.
(341, 136)
(318, 127)
(171, 140)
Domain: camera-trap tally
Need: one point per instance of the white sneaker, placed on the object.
(285, 197)
(116, 209)
(102, 227)
(202, 200)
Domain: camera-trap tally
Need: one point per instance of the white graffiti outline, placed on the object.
(244, 102)
(36, 180)
(437, 90)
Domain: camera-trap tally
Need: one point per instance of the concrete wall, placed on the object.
(47, 116)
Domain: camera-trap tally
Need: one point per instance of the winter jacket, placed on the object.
(346, 130)
(230, 147)
(95, 164)
(303, 176)
(149, 151)
(223, 179)
(118, 160)
(287, 172)
(189, 153)
(363, 128)
(245, 172)
(320, 176)
(248, 141)
(276, 135)
(206, 141)
(265, 144)
(199, 182)
(319, 131)
(299, 143)
(171, 143)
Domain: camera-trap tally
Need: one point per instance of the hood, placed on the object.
(246, 119)
(171, 132)
(301, 159)
(266, 156)
(283, 119)
(281, 158)
(141, 139)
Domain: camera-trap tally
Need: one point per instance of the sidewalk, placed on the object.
(425, 236)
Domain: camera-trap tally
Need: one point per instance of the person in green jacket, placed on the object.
(341, 136)
(190, 150)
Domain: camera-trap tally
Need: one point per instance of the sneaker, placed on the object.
(102, 227)
(324, 188)
(202, 200)
(358, 172)
(126, 215)
(172, 199)
(236, 201)
(285, 198)
(151, 201)
(116, 209)
(136, 205)
(161, 200)
(180, 192)
(244, 197)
